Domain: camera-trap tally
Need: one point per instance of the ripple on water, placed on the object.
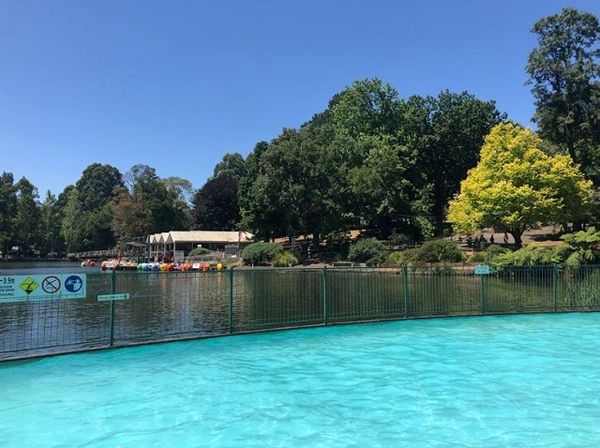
(492, 381)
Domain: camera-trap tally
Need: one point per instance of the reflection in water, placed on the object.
(194, 304)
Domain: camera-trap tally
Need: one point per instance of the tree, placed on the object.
(51, 240)
(215, 205)
(8, 208)
(150, 204)
(564, 71)
(27, 217)
(96, 186)
(447, 132)
(232, 165)
(516, 186)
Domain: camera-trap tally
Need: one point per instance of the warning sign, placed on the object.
(28, 285)
(17, 288)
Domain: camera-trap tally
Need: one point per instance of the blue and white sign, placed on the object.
(19, 288)
(482, 269)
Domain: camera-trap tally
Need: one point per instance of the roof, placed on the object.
(208, 236)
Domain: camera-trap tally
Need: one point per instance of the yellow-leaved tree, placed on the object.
(517, 186)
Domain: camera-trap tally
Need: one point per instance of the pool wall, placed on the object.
(165, 306)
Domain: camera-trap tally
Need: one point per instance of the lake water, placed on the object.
(166, 305)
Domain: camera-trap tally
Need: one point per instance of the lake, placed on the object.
(173, 305)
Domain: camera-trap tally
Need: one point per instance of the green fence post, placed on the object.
(113, 281)
(230, 310)
(405, 286)
(481, 295)
(325, 295)
(554, 287)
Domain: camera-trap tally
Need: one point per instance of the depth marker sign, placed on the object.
(19, 288)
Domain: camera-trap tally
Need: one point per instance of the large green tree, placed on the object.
(8, 209)
(517, 186)
(27, 217)
(87, 224)
(149, 204)
(564, 72)
(215, 205)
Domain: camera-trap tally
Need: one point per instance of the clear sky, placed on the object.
(176, 84)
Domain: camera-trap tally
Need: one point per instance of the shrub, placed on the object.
(527, 256)
(477, 257)
(435, 251)
(198, 251)
(493, 251)
(399, 258)
(260, 253)
(367, 250)
(284, 259)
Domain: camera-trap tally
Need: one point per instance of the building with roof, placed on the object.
(177, 244)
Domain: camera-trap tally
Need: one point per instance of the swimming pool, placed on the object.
(528, 380)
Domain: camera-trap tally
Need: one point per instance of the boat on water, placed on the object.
(128, 265)
(88, 263)
(118, 265)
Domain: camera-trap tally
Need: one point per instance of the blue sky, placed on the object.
(176, 84)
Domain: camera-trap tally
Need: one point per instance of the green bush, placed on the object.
(400, 258)
(367, 250)
(435, 251)
(198, 251)
(477, 257)
(260, 253)
(285, 259)
(493, 251)
(527, 256)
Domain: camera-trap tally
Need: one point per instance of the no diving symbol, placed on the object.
(51, 284)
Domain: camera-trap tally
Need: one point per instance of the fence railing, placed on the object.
(181, 305)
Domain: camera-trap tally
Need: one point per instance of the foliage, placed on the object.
(149, 204)
(198, 251)
(400, 258)
(477, 257)
(584, 247)
(529, 255)
(516, 186)
(260, 253)
(215, 205)
(285, 259)
(435, 251)
(231, 165)
(493, 251)
(564, 71)
(367, 250)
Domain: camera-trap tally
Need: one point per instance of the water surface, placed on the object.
(528, 380)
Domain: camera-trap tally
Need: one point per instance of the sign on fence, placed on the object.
(482, 269)
(109, 297)
(18, 288)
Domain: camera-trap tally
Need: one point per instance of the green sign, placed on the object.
(110, 297)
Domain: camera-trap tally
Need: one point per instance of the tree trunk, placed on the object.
(516, 234)
(316, 241)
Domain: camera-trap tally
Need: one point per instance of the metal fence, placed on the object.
(182, 305)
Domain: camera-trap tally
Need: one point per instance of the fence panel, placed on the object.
(267, 298)
(443, 291)
(178, 305)
(165, 305)
(579, 289)
(365, 294)
(520, 289)
(50, 326)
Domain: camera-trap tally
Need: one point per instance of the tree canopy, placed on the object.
(564, 72)
(516, 186)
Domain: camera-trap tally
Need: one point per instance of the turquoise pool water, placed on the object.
(486, 381)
